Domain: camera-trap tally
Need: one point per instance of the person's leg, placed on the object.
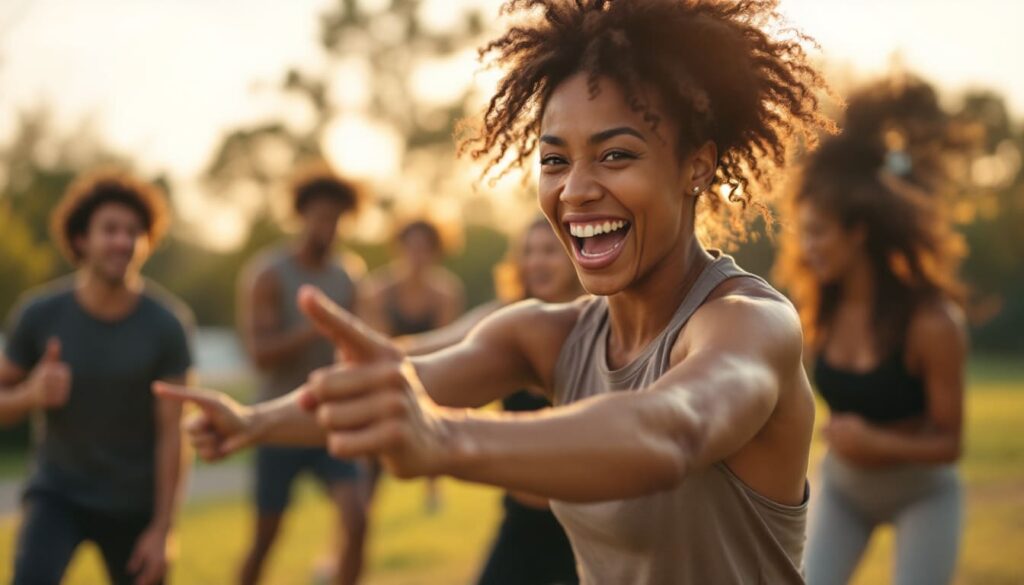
(350, 500)
(348, 487)
(276, 469)
(50, 532)
(928, 535)
(116, 537)
(837, 537)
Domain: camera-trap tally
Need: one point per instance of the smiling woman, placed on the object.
(677, 448)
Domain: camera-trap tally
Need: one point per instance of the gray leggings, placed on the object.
(921, 501)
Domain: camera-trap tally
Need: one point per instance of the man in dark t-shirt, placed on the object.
(83, 353)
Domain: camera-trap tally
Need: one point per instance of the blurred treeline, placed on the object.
(252, 163)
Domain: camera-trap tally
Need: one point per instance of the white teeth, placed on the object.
(580, 230)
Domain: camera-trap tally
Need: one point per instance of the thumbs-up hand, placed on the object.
(220, 426)
(373, 404)
(49, 384)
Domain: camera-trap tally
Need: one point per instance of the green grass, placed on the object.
(409, 547)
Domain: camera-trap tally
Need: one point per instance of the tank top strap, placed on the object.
(722, 268)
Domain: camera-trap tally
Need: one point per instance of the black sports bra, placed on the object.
(885, 394)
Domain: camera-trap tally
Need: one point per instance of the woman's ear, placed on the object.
(700, 165)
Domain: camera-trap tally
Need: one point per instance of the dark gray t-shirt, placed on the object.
(98, 450)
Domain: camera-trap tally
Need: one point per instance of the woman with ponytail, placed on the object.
(871, 267)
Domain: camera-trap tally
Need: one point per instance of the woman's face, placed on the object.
(546, 271)
(615, 190)
(827, 248)
(419, 249)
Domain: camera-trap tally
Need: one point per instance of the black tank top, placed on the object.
(402, 324)
(524, 401)
(885, 394)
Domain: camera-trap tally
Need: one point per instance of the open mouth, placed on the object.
(597, 244)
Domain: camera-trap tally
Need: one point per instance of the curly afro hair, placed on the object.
(70, 219)
(715, 69)
(317, 180)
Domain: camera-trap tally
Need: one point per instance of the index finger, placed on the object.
(346, 331)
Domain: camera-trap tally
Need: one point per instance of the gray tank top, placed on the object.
(336, 284)
(712, 528)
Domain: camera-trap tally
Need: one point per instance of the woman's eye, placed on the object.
(618, 155)
(551, 159)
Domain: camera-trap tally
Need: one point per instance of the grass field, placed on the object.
(411, 548)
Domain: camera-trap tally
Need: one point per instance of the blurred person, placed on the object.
(677, 448)
(285, 348)
(531, 547)
(412, 295)
(82, 353)
(872, 267)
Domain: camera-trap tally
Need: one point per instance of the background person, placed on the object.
(872, 267)
(83, 352)
(285, 348)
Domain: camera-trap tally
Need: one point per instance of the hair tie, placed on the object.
(898, 163)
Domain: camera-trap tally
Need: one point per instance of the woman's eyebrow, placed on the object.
(613, 132)
(596, 138)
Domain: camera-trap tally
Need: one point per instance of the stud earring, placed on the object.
(695, 190)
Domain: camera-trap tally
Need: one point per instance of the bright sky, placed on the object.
(161, 80)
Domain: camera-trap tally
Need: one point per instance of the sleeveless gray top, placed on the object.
(712, 528)
(336, 284)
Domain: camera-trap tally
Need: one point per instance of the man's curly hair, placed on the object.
(717, 72)
(70, 218)
(317, 180)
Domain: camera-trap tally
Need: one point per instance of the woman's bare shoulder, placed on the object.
(935, 325)
(534, 319)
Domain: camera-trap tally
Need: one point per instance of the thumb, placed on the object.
(357, 341)
(52, 354)
(234, 443)
(207, 400)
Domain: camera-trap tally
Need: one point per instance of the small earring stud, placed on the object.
(695, 190)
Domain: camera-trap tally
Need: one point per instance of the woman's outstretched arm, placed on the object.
(706, 408)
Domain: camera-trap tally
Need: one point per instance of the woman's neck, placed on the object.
(409, 276)
(641, 312)
(858, 286)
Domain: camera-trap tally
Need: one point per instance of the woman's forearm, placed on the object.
(928, 446)
(887, 447)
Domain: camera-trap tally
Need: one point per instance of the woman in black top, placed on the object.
(872, 269)
(411, 295)
(531, 547)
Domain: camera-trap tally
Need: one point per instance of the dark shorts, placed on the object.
(277, 468)
(53, 527)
